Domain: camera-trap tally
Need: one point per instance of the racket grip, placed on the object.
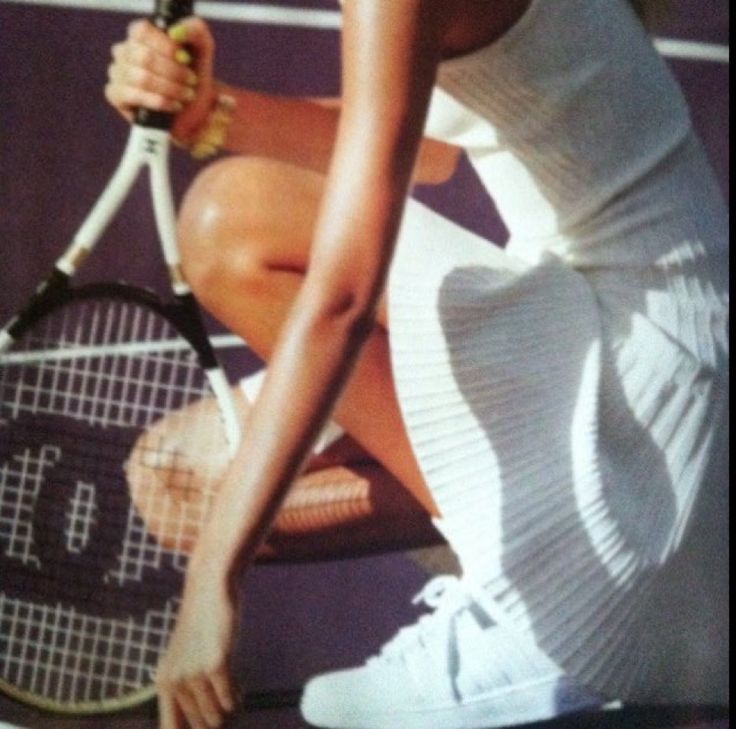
(166, 14)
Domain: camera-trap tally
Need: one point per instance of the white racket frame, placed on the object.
(146, 148)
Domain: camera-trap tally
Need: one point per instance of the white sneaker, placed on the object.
(459, 667)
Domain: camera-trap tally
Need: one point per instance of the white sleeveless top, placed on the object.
(583, 139)
(534, 112)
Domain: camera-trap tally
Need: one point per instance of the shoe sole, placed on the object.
(520, 704)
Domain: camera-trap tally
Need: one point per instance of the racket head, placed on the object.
(91, 396)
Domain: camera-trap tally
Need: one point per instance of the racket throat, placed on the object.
(146, 147)
(49, 293)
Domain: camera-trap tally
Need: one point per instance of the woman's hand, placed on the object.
(170, 72)
(193, 679)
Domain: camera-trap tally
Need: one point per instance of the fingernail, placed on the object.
(183, 57)
(178, 33)
(177, 106)
(202, 151)
(192, 79)
(189, 95)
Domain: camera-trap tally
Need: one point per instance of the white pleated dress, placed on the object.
(562, 395)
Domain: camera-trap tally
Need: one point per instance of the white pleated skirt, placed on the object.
(563, 438)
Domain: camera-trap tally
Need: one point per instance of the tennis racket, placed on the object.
(92, 564)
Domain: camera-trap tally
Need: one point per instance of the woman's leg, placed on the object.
(246, 230)
(345, 503)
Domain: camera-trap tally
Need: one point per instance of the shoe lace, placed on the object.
(447, 596)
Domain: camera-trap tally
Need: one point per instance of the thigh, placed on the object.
(252, 212)
(266, 205)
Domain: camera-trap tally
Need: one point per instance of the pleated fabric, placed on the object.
(562, 395)
(564, 463)
(563, 434)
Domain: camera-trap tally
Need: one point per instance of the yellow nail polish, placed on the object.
(192, 79)
(202, 151)
(183, 57)
(178, 33)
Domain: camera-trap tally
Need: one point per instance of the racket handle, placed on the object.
(166, 14)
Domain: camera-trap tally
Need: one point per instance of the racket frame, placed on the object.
(148, 147)
(178, 311)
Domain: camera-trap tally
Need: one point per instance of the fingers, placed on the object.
(133, 59)
(152, 69)
(169, 715)
(222, 687)
(190, 708)
(141, 89)
(196, 35)
(199, 703)
(207, 703)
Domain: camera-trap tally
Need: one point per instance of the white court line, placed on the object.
(331, 19)
(692, 50)
(235, 12)
(219, 341)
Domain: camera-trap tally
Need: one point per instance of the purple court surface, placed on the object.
(59, 144)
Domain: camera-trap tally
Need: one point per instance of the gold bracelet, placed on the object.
(211, 136)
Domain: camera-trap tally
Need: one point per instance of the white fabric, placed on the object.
(562, 395)
(331, 433)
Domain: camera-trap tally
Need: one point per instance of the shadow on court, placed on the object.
(287, 717)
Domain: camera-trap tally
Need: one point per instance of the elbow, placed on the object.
(348, 314)
(362, 324)
(353, 313)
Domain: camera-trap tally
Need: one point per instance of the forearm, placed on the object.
(303, 132)
(375, 151)
(293, 130)
(288, 129)
(306, 374)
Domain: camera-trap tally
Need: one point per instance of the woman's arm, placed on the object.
(391, 51)
(145, 71)
(303, 131)
(390, 58)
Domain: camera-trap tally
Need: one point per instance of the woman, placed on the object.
(551, 405)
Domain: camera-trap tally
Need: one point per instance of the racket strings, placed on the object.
(128, 369)
(79, 520)
(98, 510)
(63, 654)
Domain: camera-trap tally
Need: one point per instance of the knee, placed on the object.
(173, 471)
(222, 222)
